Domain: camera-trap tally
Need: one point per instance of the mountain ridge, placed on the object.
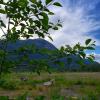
(41, 44)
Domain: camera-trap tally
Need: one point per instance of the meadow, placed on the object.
(65, 86)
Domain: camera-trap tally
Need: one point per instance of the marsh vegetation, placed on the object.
(66, 86)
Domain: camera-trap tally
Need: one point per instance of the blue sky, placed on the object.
(80, 20)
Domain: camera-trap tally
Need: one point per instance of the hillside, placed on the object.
(37, 49)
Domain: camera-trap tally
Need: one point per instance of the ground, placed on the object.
(66, 86)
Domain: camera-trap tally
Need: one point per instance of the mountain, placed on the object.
(39, 43)
(34, 48)
(43, 46)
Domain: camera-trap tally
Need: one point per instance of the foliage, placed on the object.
(4, 98)
(25, 19)
(86, 86)
(40, 98)
(79, 51)
(10, 85)
(22, 97)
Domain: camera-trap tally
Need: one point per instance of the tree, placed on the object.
(27, 18)
(79, 51)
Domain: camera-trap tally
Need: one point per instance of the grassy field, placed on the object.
(66, 86)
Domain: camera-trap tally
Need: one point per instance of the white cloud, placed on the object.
(77, 22)
(97, 57)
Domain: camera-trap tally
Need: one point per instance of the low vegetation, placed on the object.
(26, 20)
(65, 86)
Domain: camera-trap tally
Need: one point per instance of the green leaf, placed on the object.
(1, 1)
(45, 20)
(2, 11)
(22, 24)
(57, 4)
(37, 23)
(2, 24)
(40, 34)
(91, 59)
(22, 3)
(82, 54)
(59, 25)
(33, 1)
(90, 48)
(48, 1)
(62, 49)
(50, 38)
(51, 13)
(11, 23)
(93, 44)
(88, 41)
(55, 28)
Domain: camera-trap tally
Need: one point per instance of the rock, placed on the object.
(49, 83)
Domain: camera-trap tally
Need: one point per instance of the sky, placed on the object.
(80, 21)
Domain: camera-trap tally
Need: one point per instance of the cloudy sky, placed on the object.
(81, 20)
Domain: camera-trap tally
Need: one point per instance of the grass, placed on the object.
(67, 86)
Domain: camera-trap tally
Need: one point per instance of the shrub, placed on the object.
(22, 97)
(4, 98)
(79, 82)
(40, 97)
(11, 85)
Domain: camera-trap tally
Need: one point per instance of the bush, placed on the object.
(4, 98)
(40, 98)
(22, 97)
(79, 82)
(2, 81)
(8, 84)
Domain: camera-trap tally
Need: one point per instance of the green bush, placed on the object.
(4, 98)
(22, 97)
(40, 98)
(2, 81)
(79, 82)
(8, 85)
(92, 97)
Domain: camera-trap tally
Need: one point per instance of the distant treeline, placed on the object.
(95, 67)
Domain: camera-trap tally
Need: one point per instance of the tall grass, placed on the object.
(67, 86)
